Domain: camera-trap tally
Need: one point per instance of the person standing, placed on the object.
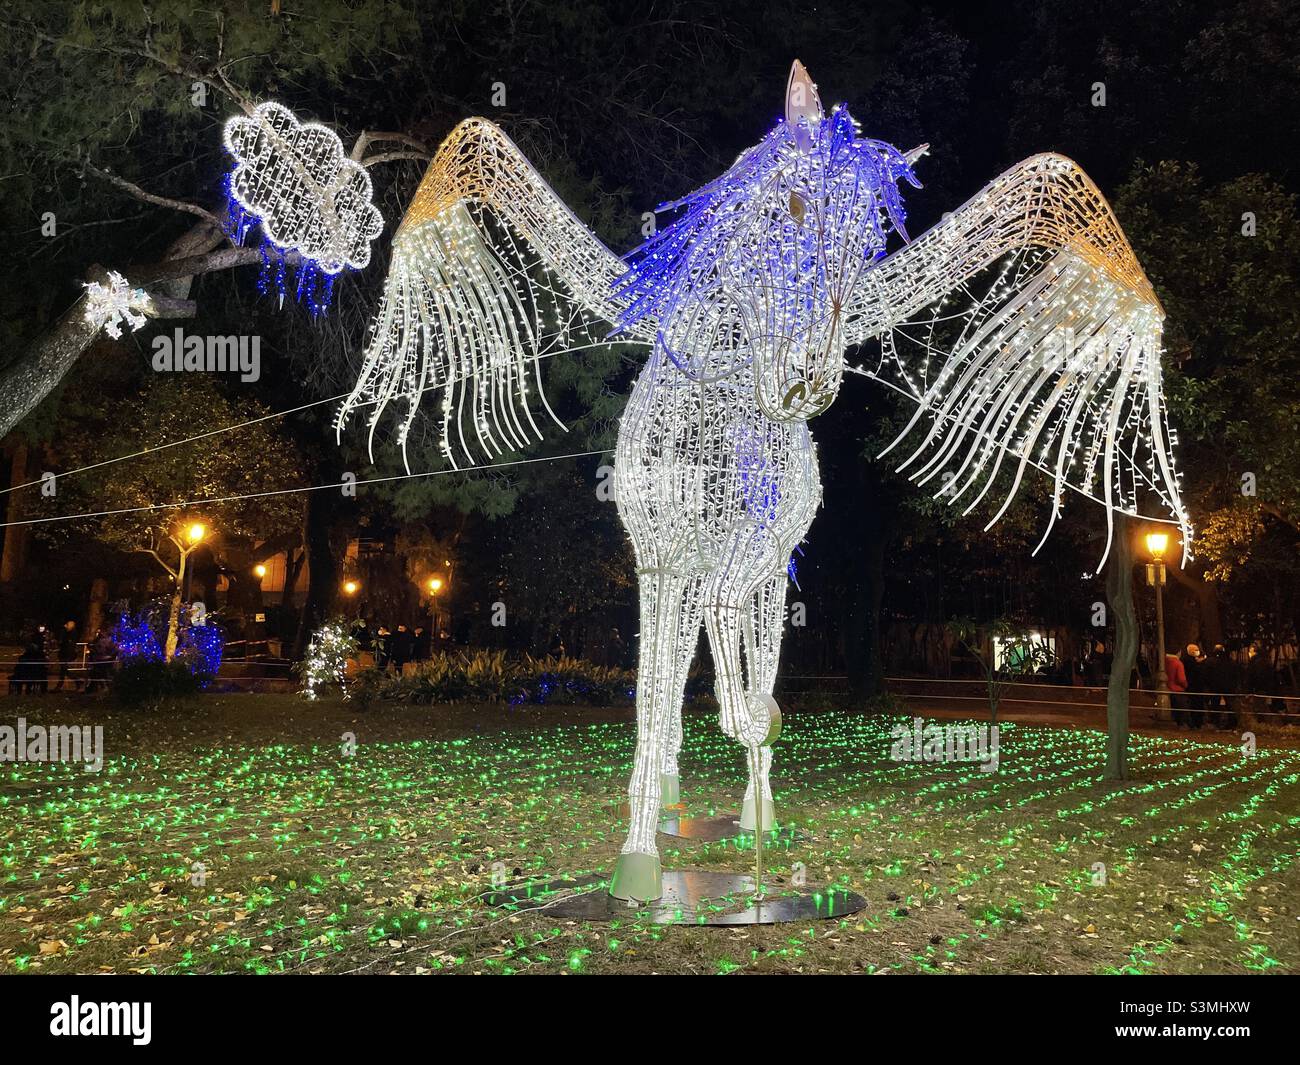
(1176, 676)
(1192, 660)
(67, 654)
(1261, 678)
(102, 653)
(423, 643)
(28, 675)
(402, 647)
(1222, 685)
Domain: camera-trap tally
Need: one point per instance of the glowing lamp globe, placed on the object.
(1156, 544)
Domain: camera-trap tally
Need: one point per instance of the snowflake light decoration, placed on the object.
(295, 181)
(116, 304)
(747, 304)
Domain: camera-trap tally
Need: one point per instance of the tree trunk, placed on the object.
(95, 609)
(31, 377)
(173, 625)
(1119, 594)
(293, 560)
(14, 557)
(35, 373)
(322, 568)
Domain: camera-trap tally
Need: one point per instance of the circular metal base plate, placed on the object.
(715, 828)
(709, 829)
(691, 897)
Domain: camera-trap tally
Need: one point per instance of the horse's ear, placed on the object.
(916, 153)
(801, 99)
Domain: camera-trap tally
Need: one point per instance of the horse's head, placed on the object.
(778, 243)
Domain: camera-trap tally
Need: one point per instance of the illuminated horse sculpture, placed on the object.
(747, 304)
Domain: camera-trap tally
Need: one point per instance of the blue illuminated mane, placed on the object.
(679, 259)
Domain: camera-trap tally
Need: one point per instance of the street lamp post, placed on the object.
(435, 586)
(350, 589)
(194, 535)
(1157, 542)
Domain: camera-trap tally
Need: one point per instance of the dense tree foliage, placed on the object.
(113, 124)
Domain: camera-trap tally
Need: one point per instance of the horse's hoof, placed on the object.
(637, 878)
(670, 789)
(747, 815)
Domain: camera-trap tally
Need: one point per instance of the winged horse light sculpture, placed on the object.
(1022, 326)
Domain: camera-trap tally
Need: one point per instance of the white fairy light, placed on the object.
(296, 181)
(325, 662)
(747, 304)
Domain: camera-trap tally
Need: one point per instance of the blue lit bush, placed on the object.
(143, 675)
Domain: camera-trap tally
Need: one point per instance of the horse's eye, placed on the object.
(798, 208)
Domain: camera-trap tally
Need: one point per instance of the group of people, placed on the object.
(51, 662)
(1093, 668)
(1202, 687)
(393, 649)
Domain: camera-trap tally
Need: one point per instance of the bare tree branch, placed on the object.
(193, 265)
(392, 157)
(149, 197)
(366, 138)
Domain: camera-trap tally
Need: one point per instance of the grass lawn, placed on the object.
(318, 862)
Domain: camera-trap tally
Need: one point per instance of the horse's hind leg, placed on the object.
(637, 874)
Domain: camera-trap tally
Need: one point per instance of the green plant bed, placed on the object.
(497, 677)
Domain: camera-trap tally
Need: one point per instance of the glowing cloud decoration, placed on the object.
(746, 304)
(295, 181)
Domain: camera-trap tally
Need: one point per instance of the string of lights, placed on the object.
(870, 821)
(240, 425)
(872, 375)
(335, 485)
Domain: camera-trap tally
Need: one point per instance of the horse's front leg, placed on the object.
(762, 645)
(746, 714)
(638, 875)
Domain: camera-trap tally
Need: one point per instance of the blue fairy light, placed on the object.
(310, 283)
(140, 638)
